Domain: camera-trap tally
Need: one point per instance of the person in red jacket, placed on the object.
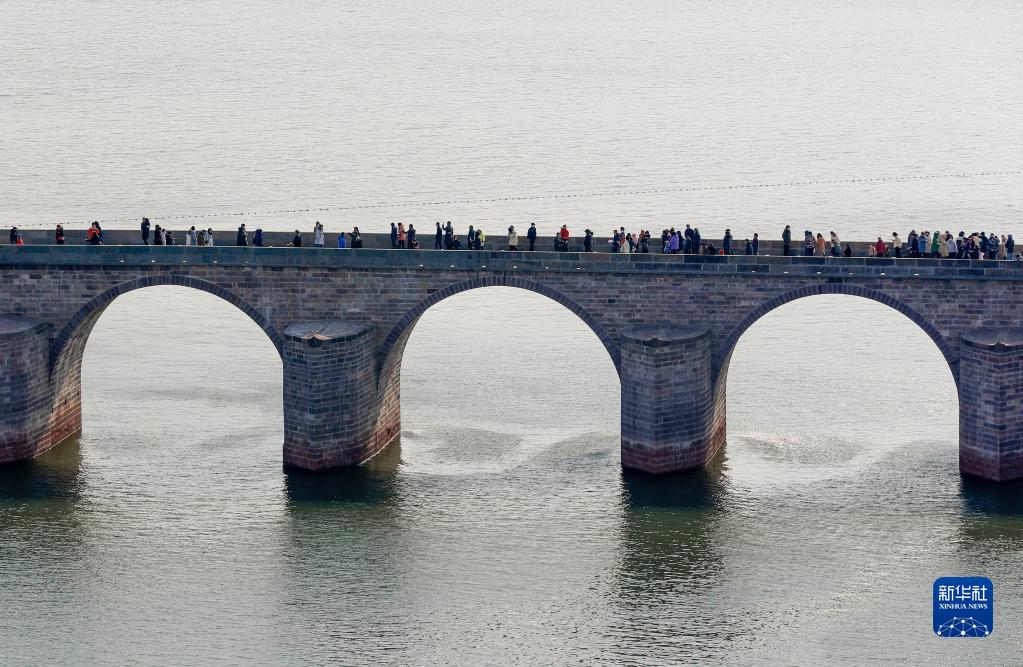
(880, 247)
(564, 233)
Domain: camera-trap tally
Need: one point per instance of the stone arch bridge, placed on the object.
(340, 320)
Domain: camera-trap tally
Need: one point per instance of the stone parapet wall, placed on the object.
(380, 241)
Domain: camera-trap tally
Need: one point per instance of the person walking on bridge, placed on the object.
(318, 235)
(59, 235)
(394, 236)
(438, 238)
(145, 231)
(411, 234)
(786, 240)
(14, 235)
(513, 238)
(896, 245)
(726, 242)
(531, 235)
(191, 238)
(158, 235)
(257, 238)
(243, 236)
(402, 236)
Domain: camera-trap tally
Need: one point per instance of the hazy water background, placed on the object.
(118, 109)
(502, 529)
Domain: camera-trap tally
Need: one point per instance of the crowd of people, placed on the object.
(688, 241)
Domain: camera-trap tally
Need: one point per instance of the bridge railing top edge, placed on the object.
(497, 261)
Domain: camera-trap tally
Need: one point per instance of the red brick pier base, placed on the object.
(25, 404)
(331, 403)
(672, 419)
(991, 404)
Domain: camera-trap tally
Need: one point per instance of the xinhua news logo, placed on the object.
(964, 607)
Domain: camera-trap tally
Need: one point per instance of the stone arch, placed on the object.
(399, 333)
(724, 352)
(90, 312)
(393, 347)
(69, 345)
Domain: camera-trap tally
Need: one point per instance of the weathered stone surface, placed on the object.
(25, 404)
(331, 406)
(669, 421)
(67, 289)
(991, 404)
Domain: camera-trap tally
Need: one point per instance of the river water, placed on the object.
(501, 529)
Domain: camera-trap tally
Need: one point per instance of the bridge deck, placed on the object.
(490, 261)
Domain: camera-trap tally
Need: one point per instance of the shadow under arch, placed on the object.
(724, 354)
(393, 346)
(69, 345)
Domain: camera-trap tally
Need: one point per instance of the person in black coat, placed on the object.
(531, 235)
(243, 237)
(394, 236)
(438, 238)
(145, 231)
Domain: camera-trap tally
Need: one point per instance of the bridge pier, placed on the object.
(331, 403)
(991, 404)
(25, 399)
(672, 418)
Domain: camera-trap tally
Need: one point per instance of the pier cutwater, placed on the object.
(340, 321)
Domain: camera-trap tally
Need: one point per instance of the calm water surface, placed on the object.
(501, 529)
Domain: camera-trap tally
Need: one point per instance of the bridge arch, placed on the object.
(392, 348)
(68, 346)
(86, 317)
(727, 346)
(393, 345)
